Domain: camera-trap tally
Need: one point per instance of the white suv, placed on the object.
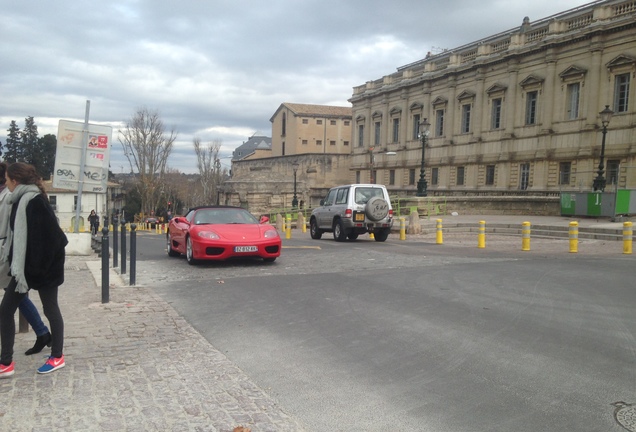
(351, 210)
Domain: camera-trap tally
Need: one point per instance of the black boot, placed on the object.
(40, 343)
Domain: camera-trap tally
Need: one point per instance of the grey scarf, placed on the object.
(22, 194)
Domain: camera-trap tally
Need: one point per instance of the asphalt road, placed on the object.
(402, 336)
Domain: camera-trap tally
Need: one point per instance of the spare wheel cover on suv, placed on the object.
(377, 208)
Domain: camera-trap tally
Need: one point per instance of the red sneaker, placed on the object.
(7, 371)
(52, 364)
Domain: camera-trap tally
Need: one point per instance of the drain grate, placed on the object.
(625, 415)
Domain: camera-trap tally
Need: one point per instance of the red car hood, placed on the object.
(238, 232)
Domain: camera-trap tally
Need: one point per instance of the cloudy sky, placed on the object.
(219, 69)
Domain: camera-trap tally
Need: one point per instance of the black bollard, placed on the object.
(133, 254)
(123, 247)
(115, 262)
(105, 270)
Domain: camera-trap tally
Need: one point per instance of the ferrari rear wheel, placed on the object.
(171, 252)
(189, 252)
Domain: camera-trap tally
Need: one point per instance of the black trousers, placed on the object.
(51, 310)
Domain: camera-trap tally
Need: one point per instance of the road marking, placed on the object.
(301, 247)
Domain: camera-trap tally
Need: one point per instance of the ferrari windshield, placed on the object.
(223, 216)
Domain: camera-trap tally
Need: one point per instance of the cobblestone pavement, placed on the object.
(132, 364)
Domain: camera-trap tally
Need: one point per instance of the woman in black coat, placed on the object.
(35, 251)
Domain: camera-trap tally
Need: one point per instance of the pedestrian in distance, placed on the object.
(93, 220)
(35, 251)
(26, 306)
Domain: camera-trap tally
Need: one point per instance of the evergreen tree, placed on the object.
(47, 146)
(13, 146)
(32, 153)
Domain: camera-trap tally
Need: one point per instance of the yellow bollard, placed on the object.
(402, 228)
(525, 236)
(481, 237)
(288, 226)
(627, 238)
(574, 237)
(371, 236)
(440, 236)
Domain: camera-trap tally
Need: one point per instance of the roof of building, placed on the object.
(252, 144)
(310, 110)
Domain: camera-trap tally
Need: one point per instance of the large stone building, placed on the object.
(313, 140)
(513, 113)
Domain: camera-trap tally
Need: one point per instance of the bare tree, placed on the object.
(147, 148)
(209, 167)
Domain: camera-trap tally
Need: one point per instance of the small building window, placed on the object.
(495, 114)
(439, 123)
(613, 165)
(304, 142)
(345, 143)
(332, 122)
(412, 176)
(347, 122)
(319, 121)
(621, 93)
(396, 130)
(360, 136)
(376, 133)
(416, 126)
(284, 125)
(305, 121)
(565, 170)
(524, 176)
(466, 118)
(319, 142)
(531, 107)
(392, 177)
(434, 176)
(490, 175)
(573, 95)
(332, 142)
(460, 176)
(357, 176)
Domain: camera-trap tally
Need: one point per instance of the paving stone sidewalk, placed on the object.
(132, 364)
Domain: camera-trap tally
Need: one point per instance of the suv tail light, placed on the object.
(390, 213)
(348, 213)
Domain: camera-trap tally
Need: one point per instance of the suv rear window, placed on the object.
(364, 194)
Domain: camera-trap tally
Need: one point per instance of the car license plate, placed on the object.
(359, 217)
(245, 248)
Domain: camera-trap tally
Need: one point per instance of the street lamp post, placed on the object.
(295, 199)
(599, 181)
(421, 183)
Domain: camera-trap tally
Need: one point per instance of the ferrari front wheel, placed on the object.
(190, 252)
(171, 252)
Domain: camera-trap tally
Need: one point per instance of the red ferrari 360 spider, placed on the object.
(222, 232)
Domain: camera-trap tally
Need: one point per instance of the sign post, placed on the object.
(82, 159)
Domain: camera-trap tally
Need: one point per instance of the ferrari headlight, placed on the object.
(271, 233)
(210, 235)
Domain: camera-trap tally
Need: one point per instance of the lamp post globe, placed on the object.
(600, 181)
(421, 183)
(295, 198)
